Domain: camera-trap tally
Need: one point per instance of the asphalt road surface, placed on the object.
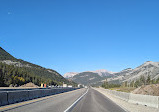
(92, 101)
(54, 103)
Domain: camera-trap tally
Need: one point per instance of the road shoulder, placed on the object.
(125, 105)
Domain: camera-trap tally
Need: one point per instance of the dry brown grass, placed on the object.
(152, 89)
(124, 89)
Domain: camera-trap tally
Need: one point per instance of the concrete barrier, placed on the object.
(122, 95)
(35, 94)
(9, 97)
(63, 90)
(59, 90)
(53, 91)
(3, 98)
(46, 92)
(17, 96)
(147, 100)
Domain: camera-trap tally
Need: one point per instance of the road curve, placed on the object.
(94, 101)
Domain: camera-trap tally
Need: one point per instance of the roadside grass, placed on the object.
(124, 89)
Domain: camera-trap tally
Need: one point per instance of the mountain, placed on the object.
(5, 55)
(15, 71)
(89, 77)
(103, 72)
(70, 74)
(119, 76)
(149, 68)
(123, 72)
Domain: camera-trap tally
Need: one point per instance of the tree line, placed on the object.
(137, 83)
(108, 85)
(141, 81)
(16, 76)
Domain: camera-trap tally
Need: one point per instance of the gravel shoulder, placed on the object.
(125, 105)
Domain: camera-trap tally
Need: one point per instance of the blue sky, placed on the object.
(81, 35)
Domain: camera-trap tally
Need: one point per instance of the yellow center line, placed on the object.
(34, 100)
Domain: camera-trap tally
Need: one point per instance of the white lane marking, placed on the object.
(34, 100)
(67, 110)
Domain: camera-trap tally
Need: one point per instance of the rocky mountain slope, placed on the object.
(101, 73)
(70, 74)
(149, 68)
(119, 76)
(89, 77)
(19, 72)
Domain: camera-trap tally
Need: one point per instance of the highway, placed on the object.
(94, 101)
(23, 89)
(86, 101)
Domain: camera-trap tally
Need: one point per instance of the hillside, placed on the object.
(101, 72)
(5, 55)
(70, 74)
(89, 77)
(147, 90)
(18, 72)
(119, 76)
(148, 69)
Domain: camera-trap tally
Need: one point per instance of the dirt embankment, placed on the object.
(30, 84)
(152, 89)
(25, 86)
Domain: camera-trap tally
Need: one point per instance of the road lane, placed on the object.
(54, 103)
(94, 101)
